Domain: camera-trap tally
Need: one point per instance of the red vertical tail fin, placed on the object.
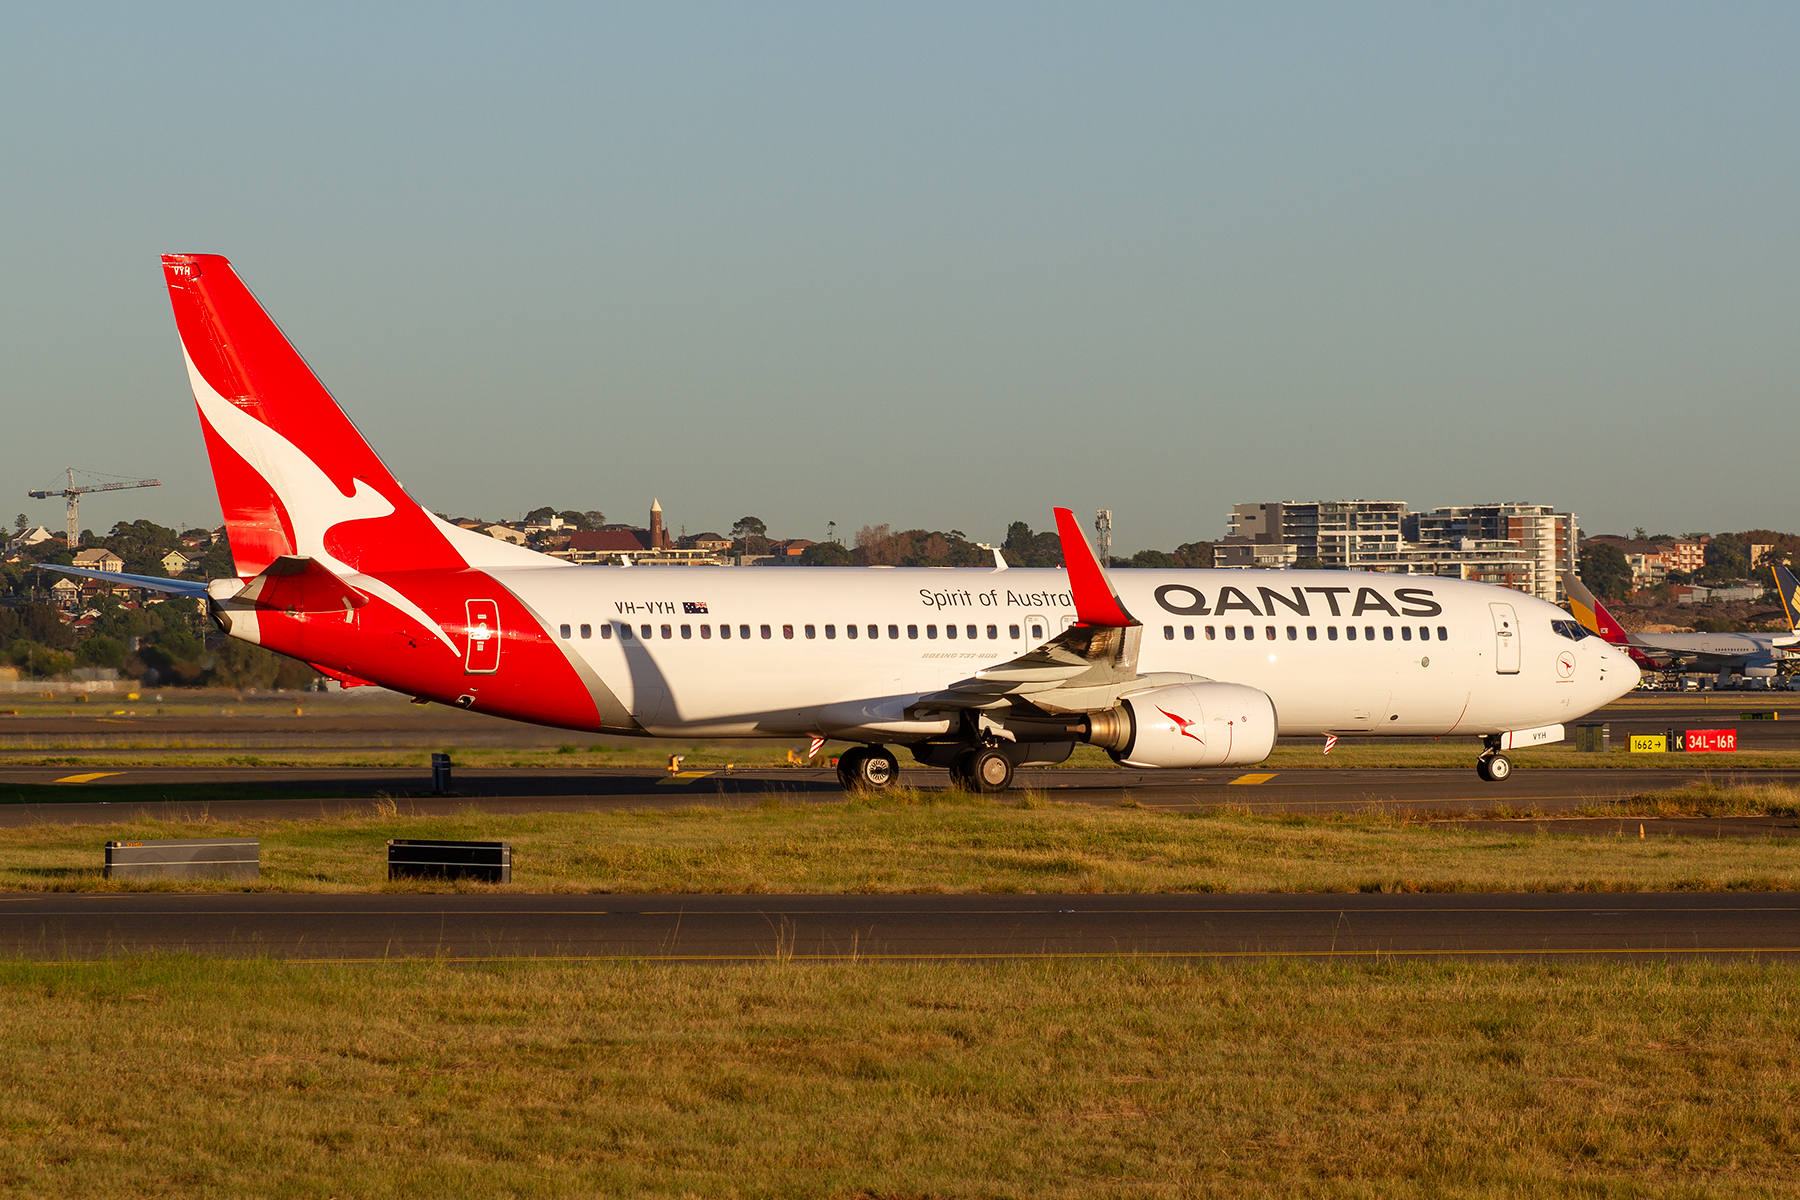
(293, 474)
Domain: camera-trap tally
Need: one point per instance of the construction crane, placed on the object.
(73, 495)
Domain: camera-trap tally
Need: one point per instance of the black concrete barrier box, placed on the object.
(490, 862)
(185, 858)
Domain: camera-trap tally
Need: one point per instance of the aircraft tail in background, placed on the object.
(1596, 620)
(1788, 587)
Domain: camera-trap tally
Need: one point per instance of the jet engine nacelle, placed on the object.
(1188, 725)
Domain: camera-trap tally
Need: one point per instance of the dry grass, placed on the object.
(954, 842)
(1139, 1079)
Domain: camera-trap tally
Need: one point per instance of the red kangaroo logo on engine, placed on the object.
(1183, 724)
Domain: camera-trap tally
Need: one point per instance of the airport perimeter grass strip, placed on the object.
(1119, 1078)
(921, 842)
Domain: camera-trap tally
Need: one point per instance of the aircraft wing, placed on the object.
(153, 583)
(1085, 668)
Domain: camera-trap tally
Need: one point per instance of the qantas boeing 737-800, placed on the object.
(978, 671)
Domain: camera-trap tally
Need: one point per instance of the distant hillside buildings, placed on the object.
(1522, 546)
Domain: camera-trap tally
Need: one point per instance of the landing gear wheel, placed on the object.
(1495, 768)
(985, 771)
(848, 764)
(871, 769)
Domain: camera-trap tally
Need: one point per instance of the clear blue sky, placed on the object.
(930, 265)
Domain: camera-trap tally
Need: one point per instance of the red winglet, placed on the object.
(1095, 601)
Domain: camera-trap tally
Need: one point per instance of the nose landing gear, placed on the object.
(1493, 766)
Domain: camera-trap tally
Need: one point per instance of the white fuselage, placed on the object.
(1338, 652)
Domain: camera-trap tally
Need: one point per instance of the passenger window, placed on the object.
(1331, 633)
(687, 631)
(667, 633)
(1406, 633)
(606, 632)
(1012, 631)
(744, 632)
(894, 631)
(1249, 633)
(1231, 633)
(767, 635)
(1269, 632)
(725, 631)
(565, 631)
(930, 630)
(587, 631)
(1350, 632)
(646, 632)
(850, 631)
(1443, 634)
(1312, 633)
(1368, 633)
(1209, 634)
(830, 632)
(993, 633)
(787, 631)
(949, 631)
(1187, 631)
(705, 632)
(1387, 633)
(1293, 634)
(912, 631)
(1037, 631)
(971, 631)
(624, 633)
(1168, 633)
(1424, 633)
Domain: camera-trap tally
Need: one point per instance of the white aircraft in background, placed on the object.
(977, 671)
(1753, 654)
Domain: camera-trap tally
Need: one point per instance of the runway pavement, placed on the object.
(103, 794)
(65, 927)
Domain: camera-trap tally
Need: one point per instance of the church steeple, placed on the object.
(658, 539)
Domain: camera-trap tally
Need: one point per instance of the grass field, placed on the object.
(1120, 1078)
(955, 842)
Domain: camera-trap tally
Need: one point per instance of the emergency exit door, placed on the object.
(483, 656)
(1506, 639)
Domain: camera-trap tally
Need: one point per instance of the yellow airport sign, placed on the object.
(1648, 743)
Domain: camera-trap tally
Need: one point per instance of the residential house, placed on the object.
(175, 562)
(35, 536)
(65, 594)
(99, 560)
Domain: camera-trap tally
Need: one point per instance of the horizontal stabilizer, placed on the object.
(152, 583)
(296, 584)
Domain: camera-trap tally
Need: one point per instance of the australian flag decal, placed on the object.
(693, 606)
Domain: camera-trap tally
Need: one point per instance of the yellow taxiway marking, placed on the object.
(88, 778)
(1254, 778)
(685, 776)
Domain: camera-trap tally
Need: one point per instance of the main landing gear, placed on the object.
(1493, 766)
(982, 769)
(868, 769)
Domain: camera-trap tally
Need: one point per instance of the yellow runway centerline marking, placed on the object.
(686, 776)
(1254, 778)
(88, 778)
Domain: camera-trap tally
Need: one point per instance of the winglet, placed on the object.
(1096, 603)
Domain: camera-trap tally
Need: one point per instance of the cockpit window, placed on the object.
(1573, 630)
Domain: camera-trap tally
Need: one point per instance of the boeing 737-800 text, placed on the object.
(978, 671)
